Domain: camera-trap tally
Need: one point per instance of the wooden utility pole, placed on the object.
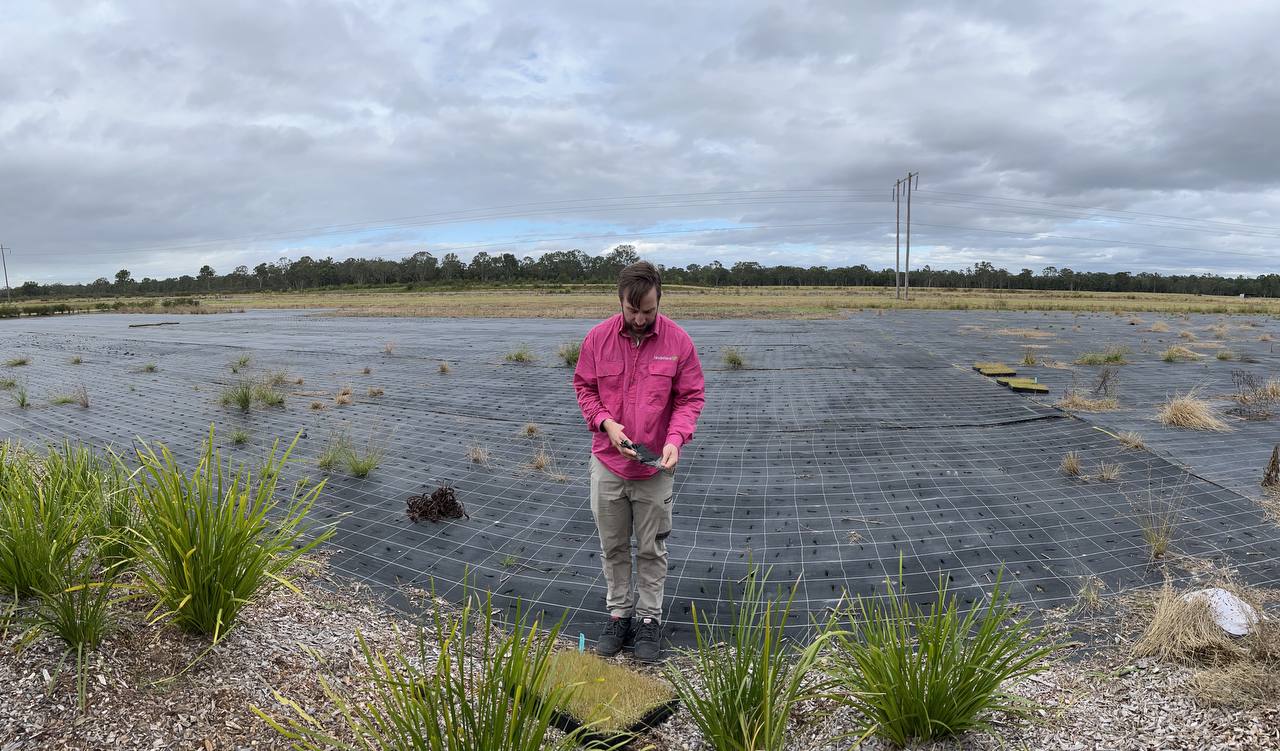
(8, 296)
(897, 239)
(911, 181)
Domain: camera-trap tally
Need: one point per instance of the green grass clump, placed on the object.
(239, 437)
(239, 395)
(149, 368)
(569, 353)
(750, 677)
(267, 395)
(521, 354)
(733, 358)
(40, 524)
(361, 463)
(474, 688)
(919, 672)
(61, 399)
(77, 360)
(334, 452)
(7, 383)
(1109, 356)
(20, 397)
(213, 539)
(17, 362)
(240, 363)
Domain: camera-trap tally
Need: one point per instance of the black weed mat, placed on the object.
(842, 449)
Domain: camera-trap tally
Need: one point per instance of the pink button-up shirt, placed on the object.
(654, 390)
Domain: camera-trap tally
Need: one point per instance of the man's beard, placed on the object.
(639, 333)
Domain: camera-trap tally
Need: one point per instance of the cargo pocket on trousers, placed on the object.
(664, 527)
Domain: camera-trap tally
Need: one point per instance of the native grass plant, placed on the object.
(751, 676)
(1113, 355)
(483, 689)
(339, 451)
(1089, 596)
(1132, 440)
(17, 362)
(1179, 354)
(1225, 355)
(1156, 511)
(8, 383)
(920, 672)
(40, 524)
(1108, 472)
(239, 437)
(1075, 401)
(1071, 464)
(733, 359)
(1187, 335)
(1028, 357)
(240, 363)
(521, 354)
(477, 454)
(210, 541)
(20, 396)
(569, 353)
(444, 368)
(77, 360)
(1160, 327)
(1188, 410)
(246, 392)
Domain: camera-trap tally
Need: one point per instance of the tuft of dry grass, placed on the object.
(344, 396)
(542, 461)
(1026, 333)
(81, 395)
(1179, 354)
(478, 455)
(1183, 631)
(1071, 465)
(1108, 472)
(1074, 401)
(1028, 357)
(1190, 411)
(444, 368)
(1188, 335)
(521, 354)
(1225, 354)
(530, 430)
(389, 348)
(1219, 331)
(1132, 440)
(1160, 327)
(1089, 595)
(367, 370)
(374, 391)
(1265, 337)
(1157, 516)
(317, 405)
(77, 360)
(1244, 684)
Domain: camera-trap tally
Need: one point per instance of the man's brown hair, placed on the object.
(635, 281)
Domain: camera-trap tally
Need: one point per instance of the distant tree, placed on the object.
(123, 278)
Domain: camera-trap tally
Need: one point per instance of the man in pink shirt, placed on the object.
(640, 388)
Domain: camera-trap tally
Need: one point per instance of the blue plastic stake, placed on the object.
(582, 642)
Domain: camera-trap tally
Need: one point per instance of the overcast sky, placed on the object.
(161, 136)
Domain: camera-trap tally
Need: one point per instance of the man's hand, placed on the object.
(670, 456)
(616, 437)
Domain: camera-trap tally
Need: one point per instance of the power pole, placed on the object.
(912, 181)
(897, 239)
(8, 296)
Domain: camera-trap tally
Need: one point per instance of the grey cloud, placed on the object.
(153, 125)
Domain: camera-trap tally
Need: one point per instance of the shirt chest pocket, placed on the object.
(659, 380)
(609, 383)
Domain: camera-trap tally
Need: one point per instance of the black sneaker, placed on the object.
(649, 641)
(616, 631)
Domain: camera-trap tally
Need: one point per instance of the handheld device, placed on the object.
(644, 455)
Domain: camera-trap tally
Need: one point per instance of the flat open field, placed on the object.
(682, 303)
(843, 449)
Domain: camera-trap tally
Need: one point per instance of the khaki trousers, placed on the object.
(622, 508)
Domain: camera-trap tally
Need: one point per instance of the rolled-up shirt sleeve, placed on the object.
(587, 385)
(689, 396)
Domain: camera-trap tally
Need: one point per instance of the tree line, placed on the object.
(422, 270)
